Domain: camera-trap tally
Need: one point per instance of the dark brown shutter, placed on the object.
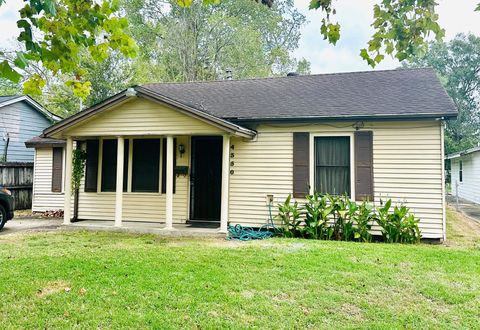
(301, 164)
(57, 168)
(363, 165)
(164, 165)
(91, 171)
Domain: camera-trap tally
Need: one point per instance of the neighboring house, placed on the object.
(465, 174)
(21, 118)
(215, 151)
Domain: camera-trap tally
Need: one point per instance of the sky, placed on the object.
(354, 16)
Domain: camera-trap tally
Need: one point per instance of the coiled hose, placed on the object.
(244, 233)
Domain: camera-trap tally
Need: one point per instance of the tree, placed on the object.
(54, 34)
(458, 65)
(202, 42)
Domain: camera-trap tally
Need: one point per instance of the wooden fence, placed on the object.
(18, 178)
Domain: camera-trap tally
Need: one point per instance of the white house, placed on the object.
(465, 174)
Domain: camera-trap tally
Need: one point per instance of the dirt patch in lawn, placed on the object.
(52, 288)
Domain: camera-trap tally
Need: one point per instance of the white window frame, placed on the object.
(351, 135)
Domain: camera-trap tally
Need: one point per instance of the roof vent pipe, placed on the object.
(228, 74)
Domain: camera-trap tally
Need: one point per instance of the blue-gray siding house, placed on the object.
(21, 118)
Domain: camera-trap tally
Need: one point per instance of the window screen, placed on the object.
(332, 165)
(109, 165)
(146, 165)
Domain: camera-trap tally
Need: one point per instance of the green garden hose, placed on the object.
(244, 233)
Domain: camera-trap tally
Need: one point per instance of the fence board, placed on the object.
(18, 178)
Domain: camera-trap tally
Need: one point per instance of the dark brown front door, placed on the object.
(206, 178)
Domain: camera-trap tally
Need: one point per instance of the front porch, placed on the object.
(154, 189)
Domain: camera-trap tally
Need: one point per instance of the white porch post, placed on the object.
(225, 181)
(169, 185)
(119, 185)
(68, 181)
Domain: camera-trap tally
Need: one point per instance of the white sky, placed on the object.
(355, 17)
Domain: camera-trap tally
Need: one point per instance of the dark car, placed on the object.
(6, 206)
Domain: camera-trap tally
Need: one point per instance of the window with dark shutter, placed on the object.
(301, 164)
(364, 165)
(164, 164)
(146, 165)
(109, 165)
(332, 165)
(91, 164)
(57, 169)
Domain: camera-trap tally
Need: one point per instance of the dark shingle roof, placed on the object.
(391, 93)
(8, 98)
(38, 141)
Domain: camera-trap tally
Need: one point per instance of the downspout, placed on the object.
(5, 151)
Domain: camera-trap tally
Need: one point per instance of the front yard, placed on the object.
(109, 280)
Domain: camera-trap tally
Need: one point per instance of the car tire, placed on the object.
(3, 217)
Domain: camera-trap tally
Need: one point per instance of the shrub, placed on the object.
(337, 217)
(289, 214)
(316, 218)
(398, 226)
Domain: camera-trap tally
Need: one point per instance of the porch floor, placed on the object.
(180, 229)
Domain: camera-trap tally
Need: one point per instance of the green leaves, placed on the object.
(7, 72)
(401, 28)
(330, 32)
(66, 28)
(184, 3)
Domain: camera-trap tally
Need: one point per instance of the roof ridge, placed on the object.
(288, 77)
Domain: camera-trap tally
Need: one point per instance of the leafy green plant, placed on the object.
(398, 226)
(289, 214)
(78, 167)
(339, 218)
(316, 218)
(363, 217)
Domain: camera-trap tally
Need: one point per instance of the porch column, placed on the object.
(225, 185)
(119, 185)
(68, 181)
(169, 185)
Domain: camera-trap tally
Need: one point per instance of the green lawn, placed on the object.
(107, 280)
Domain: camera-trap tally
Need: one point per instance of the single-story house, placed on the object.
(21, 118)
(218, 151)
(465, 174)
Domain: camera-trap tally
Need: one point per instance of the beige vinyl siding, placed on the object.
(407, 168)
(149, 207)
(141, 117)
(43, 197)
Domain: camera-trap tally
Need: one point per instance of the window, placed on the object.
(146, 165)
(57, 169)
(109, 165)
(332, 165)
(460, 171)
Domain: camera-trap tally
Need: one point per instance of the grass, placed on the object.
(112, 280)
